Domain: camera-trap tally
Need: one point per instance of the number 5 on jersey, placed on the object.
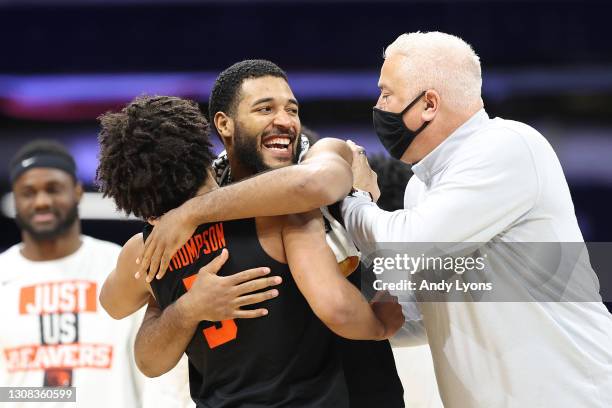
(215, 336)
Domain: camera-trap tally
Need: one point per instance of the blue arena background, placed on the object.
(62, 63)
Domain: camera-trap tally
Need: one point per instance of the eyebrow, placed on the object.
(47, 184)
(264, 100)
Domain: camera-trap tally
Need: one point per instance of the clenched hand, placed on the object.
(388, 310)
(364, 178)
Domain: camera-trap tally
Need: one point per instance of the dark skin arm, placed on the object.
(168, 331)
(333, 299)
(338, 303)
(323, 178)
(213, 297)
(172, 329)
(121, 294)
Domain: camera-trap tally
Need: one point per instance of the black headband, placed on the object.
(55, 161)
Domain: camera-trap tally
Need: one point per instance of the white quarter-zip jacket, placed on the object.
(496, 182)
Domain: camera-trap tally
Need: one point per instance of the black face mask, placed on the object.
(392, 132)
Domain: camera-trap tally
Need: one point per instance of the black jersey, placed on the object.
(285, 359)
(369, 366)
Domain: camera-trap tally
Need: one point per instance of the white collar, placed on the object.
(438, 158)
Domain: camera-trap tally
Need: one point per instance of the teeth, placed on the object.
(284, 141)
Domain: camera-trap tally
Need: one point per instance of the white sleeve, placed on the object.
(413, 332)
(482, 192)
(170, 390)
(138, 379)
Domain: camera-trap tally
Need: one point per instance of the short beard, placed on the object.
(247, 152)
(60, 229)
(249, 155)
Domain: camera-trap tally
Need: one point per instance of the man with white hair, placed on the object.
(541, 339)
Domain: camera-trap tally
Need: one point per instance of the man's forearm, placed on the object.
(338, 303)
(289, 190)
(120, 300)
(352, 316)
(169, 331)
(334, 300)
(323, 178)
(121, 294)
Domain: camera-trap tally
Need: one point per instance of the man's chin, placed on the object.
(275, 161)
(46, 234)
(44, 226)
(278, 163)
(46, 231)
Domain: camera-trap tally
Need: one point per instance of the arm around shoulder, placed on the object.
(122, 294)
(325, 174)
(338, 303)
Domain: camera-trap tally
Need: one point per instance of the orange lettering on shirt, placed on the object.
(209, 240)
(220, 234)
(58, 297)
(74, 355)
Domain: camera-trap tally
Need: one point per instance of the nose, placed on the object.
(285, 120)
(42, 201)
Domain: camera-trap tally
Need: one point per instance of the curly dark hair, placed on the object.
(225, 91)
(393, 175)
(154, 154)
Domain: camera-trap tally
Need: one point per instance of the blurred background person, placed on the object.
(413, 362)
(49, 286)
(393, 176)
(54, 331)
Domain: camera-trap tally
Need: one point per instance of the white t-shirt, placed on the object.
(497, 182)
(55, 332)
(170, 390)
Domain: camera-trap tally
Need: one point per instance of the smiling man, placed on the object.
(252, 145)
(54, 331)
(258, 138)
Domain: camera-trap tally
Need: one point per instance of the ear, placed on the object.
(225, 127)
(152, 220)
(432, 101)
(78, 191)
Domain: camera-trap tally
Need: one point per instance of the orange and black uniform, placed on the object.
(286, 359)
(369, 366)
